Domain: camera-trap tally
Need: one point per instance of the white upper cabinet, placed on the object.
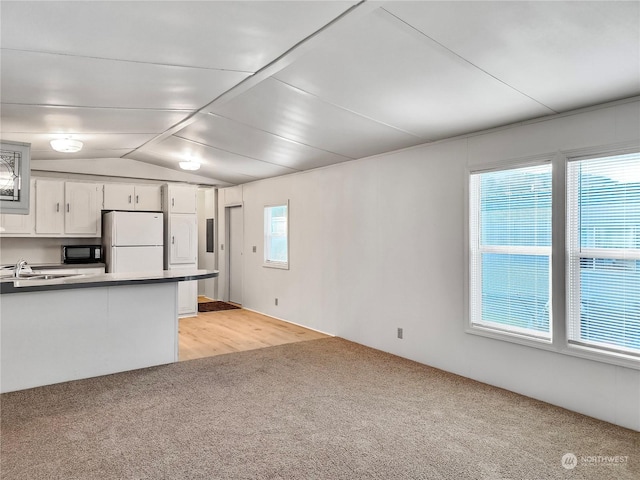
(118, 196)
(122, 196)
(49, 207)
(19, 224)
(181, 198)
(67, 208)
(183, 239)
(148, 198)
(82, 211)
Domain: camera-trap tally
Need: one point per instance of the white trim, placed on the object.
(561, 262)
(511, 164)
(473, 249)
(292, 323)
(265, 261)
(515, 250)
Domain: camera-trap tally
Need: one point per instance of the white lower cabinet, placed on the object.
(187, 293)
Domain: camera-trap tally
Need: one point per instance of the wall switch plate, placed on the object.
(399, 333)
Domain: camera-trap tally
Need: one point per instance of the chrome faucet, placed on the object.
(21, 265)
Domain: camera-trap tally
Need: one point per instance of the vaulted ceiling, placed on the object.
(260, 89)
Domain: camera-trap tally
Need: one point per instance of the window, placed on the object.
(276, 236)
(588, 304)
(15, 161)
(603, 253)
(510, 251)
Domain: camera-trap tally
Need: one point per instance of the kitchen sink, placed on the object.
(45, 276)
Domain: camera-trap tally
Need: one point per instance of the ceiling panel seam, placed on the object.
(166, 157)
(98, 107)
(352, 13)
(235, 153)
(108, 59)
(452, 52)
(281, 137)
(353, 112)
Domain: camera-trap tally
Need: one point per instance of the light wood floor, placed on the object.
(227, 331)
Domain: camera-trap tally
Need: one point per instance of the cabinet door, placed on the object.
(82, 215)
(20, 224)
(182, 199)
(118, 196)
(183, 239)
(148, 198)
(49, 207)
(188, 298)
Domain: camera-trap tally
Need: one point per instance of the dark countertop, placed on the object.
(13, 285)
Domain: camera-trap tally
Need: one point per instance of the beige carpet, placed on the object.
(321, 409)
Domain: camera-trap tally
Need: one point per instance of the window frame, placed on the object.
(590, 350)
(266, 261)
(474, 244)
(559, 254)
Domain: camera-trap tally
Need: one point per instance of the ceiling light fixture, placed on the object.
(190, 165)
(66, 145)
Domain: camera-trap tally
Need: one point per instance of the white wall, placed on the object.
(36, 250)
(378, 243)
(206, 260)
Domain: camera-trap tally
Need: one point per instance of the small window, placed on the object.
(510, 252)
(276, 236)
(603, 257)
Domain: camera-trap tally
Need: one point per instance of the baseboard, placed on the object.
(289, 321)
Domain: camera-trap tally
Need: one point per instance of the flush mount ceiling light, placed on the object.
(190, 165)
(66, 145)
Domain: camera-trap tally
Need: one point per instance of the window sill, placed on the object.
(281, 266)
(511, 337)
(580, 351)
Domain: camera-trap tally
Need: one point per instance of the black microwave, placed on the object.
(81, 254)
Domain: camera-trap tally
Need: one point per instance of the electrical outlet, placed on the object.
(400, 333)
(276, 302)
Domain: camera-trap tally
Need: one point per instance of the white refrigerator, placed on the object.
(133, 242)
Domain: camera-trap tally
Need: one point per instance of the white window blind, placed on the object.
(510, 251)
(603, 257)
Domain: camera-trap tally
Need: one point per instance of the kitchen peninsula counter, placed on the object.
(17, 285)
(84, 326)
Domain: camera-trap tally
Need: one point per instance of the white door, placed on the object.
(136, 228)
(182, 199)
(82, 215)
(49, 206)
(187, 293)
(183, 238)
(148, 198)
(118, 196)
(136, 259)
(236, 239)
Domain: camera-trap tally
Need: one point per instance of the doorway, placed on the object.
(235, 242)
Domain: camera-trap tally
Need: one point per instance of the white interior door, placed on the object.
(236, 238)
